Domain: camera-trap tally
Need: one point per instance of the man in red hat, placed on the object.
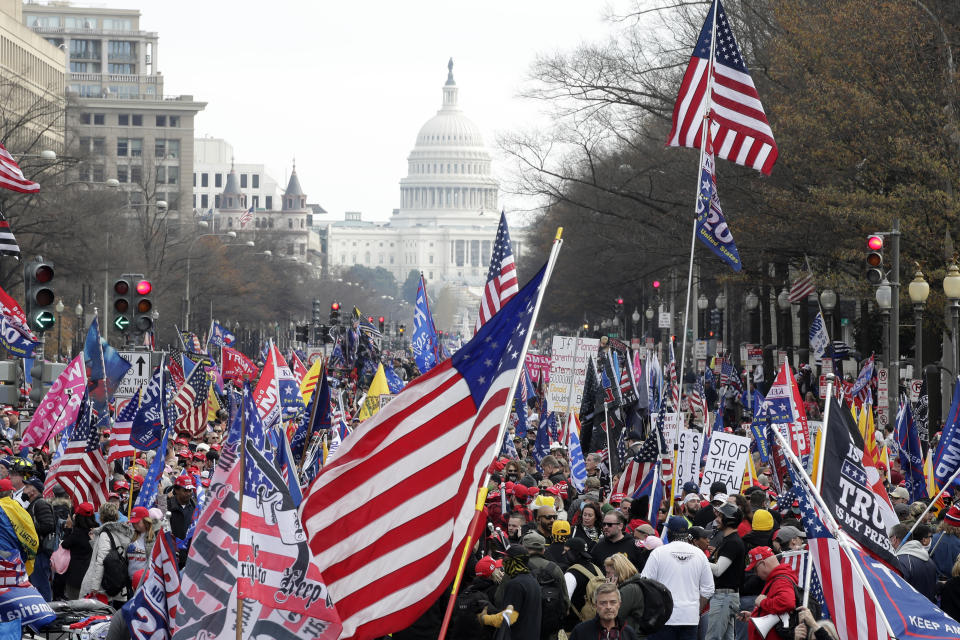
(181, 505)
(778, 596)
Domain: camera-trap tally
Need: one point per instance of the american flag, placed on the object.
(501, 277)
(738, 125)
(802, 288)
(8, 244)
(638, 467)
(82, 470)
(120, 446)
(191, 400)
(798, 561)
(430, 446)
(11, 177)
(851, 608)
(697, 399)
(674, 385)
(246, 217)
(151, 483)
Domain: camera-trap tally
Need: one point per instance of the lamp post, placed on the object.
(752, 301)
(228, 234)
(919, 290)
(951, 288)
(883, 301)
(786, 334)
(648, 314)
(828, 302)
(721, 303)
(635, 316)
(79, 311)
(702, 303)
(59, 309)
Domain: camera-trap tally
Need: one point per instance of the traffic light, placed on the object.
(320, 334)
(143, 305)
(370, 320)
(618, 309)
(122, 305)
(38, 283)
(381, 319)
(403, 328)
(334, 313)
(716, 320)
(303, 333)
(316, 312)
(875, 274)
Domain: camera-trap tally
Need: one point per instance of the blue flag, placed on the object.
(541, 447)
(424, 343)
(394, 383)
(154, 413)
(911, 455)
(946, 459)
(578, 466)
(151, 484)
(319, 410)
(819, 340)
(521, 408)
(712, 229)
(14, 340)
(102, 361)
(221, 336)
(508, 449)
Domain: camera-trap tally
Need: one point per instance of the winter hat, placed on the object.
(762, 520)
(952, 518)
(677, 524)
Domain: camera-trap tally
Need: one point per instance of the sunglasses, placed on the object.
(610, 524)
(548, 517)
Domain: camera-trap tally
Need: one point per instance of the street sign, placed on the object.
(827, 366)
(823, 386)
(664, 320)
(915, 387)
(649, 343)
(313, 354)
(700, 349)
(883, 397)
(754, 355)
(137, 375)
(781, 357)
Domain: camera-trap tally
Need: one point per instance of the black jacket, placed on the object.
(590, 630)
(44, 519)
(77, 541)
(180, 516)
(523, 592)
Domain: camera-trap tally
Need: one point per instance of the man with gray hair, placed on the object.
(605, 624)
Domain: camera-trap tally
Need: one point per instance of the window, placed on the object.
(85, 67)
(486, 252)
(99, 173)
(84, 118)
(43, 21)
(161, 121)
(123, 50)
(194, 184)
(136, 120)
(99, 119)
(431, 258)
(229, 222)
(80, 22)
(123, 147)
(391, 259)
(173, 175)
(289, 223)
(123, 119)
(136, 147)
(218, 180)
(174, 121)
(204, 201)
(84, 49)
(122, 175)
(121, 68)
(204, 179)
(256, 181)
(381, 258)
(303, 249)
(243, 181)
(270, 224)
(474, 253)
(290, 249)
(343, 259)
(255, 202)
(136, 174)
(216, 201)
(164, 148)
(117, 24)
(461, 247)
(268, 202)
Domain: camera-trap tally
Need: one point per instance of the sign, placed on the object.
(827, 366)
(883, 397)
(562, 367)
(726, 461)
(754, 355)
(137, 375)
(664, 320)
(313, 354)
(700, 350)
(539, 366)
(634, 343)
(915, 386)
(823, 386)
(781, 357)
(649, 343)
(689, 454)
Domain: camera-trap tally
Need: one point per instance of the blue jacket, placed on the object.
(945, 554)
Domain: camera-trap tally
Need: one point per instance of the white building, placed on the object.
(212, 163)
(447, 220)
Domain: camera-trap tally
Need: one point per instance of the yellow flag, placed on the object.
(865, 425)
(326, 450)
(817, 441)
(212, 406)
(749, 475)
(378, 387)
(310, 381)
(928, 474)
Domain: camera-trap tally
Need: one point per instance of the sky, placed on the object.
(344, 86)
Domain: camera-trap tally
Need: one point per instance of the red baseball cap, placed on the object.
(121, 484)
(182, 441)
(5, 484)
(184, 482)
(82, 509)
(617, 497)
(138, 479)
(758, 554)
(138, 514)
(112, 495)
(486, 565)
(184, 453)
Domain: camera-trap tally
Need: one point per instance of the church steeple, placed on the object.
(294, 197)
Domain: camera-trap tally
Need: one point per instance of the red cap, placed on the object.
(138, 514)
(199, 455)
(617, 497)
(758, 554)
(121, 484)
(182, 441)
(486, 565)
(5, 484)
(194, 470)
(215, 447)
(184, 453)
(112, 495)
(105, 432)
(83, 509)
(205, 482)
(137, 478)
(184, 482)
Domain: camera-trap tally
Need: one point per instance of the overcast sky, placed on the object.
(345, 86)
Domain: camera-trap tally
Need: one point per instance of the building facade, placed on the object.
(32, 85)
(447, 220)
(213, 161)
(119, 123)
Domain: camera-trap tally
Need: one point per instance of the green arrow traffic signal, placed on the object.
(42, 320)
(121, 323)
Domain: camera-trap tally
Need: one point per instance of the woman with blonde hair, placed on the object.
(141, 545)
(619, 568)
(624, 573)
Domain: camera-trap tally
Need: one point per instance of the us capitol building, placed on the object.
(448, 215)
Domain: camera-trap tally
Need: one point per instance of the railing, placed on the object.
(106, 32)
(114, 77)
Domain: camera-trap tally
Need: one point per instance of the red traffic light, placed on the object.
(144, 287)
(335, 306)
(370, 319)
(620, 301)
(875, 243)
(381, 319)
(43, 274)
(656, 284)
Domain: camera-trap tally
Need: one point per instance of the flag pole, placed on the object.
(833, 526)
(313, 414)
(482, 494)
(610, 452)
(823, 431)
(241, 462)
(468, 544)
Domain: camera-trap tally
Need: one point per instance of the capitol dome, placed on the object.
(449, 179)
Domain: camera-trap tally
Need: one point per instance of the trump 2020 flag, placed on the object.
(425, 343)
(578, 466)
(911, 455)
(946, 459)
(430, 446)
(149, 612)
(819, 340)
(221, 336)
(60, 405)
(712, 229)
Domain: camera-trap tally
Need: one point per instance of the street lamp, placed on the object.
(783, 301)
(59, 309)
(884, 296)
(751, 302)
(951, 288)
(79, 311)
(919, 290)
(635, 316)
(228, 234)
(828, 302)
(702, 303)
(721, 303)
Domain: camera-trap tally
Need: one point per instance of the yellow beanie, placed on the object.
(762, 520)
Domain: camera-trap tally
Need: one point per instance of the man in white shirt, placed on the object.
(684, 570)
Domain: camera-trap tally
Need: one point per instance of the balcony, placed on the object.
(103, 32)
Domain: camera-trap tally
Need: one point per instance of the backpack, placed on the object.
(657, 606)
(463, 619)
(116, 575)
(787, 631)
(594, 580)
(552, 606)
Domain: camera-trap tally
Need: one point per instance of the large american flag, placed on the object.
(638, 467)
(191, 400)
(83, 470)
(501, 277)
(11, 177)
(407, 480)
(120, 446)
(738, 125)
(802, 288)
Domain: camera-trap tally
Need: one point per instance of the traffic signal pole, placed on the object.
(894, 365)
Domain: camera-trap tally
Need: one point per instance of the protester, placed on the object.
(581, 572)
(727, 564)
(606, 624)
(144, 533)
(778, 595)
(45, 524)
(614, 540)
(77, 541)
(112, 534)
(946, 543)
(950, 593)
(521, 598)
(916, 565)
(590, 525)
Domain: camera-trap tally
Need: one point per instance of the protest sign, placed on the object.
(726, 461)
(563, 366)
(690, 449)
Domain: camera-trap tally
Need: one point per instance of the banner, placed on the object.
(15, 339)
(563, 366)
(540, 364)
(59, 406)
(784, 406)
(690, 451)
(154, 604)
(726, 461)
(237, 366)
